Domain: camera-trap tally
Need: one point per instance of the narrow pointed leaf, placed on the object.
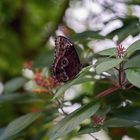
(118, 122)
(80, 79)
(18, 125)
(20, 98)
(71, 121)
(89, 130)
(14, 84)
(87, 34)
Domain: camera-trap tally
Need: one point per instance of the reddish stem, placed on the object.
(116, 68)
(120, 74)
(108, 91)
(129, 87)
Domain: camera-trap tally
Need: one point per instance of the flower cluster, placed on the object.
(46, 82)
(121, 51)
(28, 65)
(98, 120)
(39, 81)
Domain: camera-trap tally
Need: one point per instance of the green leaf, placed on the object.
(88, 130)
(103, 111)
(71, 121)
(107, 52)
(87, 34)
(132, 2)
(118, 122)
(133, 76)
(132, 48)
(134, 62)
(21, 98)
(131, 113)
(18, 125)
(80, 79)
(107, 65)
(130, 25)
(14, 84)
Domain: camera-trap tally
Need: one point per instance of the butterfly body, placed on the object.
(66, 63)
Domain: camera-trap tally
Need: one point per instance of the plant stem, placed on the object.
(121, 74)
(59, 103)
(108, 91)
(93, 137)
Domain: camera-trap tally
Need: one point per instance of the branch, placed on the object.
(108, 91)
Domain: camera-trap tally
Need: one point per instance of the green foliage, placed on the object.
(80, 79)
(73, 120)
(25, 28)
(108, 52)
(117, 122)
(133, 48)
(18, 125)
(86, 35)
(130, 25)
(133, 62)
(107, 91)
(107, 65)
(134, 76)
(14, 84)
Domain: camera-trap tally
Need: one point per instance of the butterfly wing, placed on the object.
(66, 63)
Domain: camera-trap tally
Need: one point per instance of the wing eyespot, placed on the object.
(64, 62)
(65, 78)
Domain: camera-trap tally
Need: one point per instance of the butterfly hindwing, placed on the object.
(66, 63)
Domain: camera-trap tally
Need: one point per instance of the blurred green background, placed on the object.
(27, 31)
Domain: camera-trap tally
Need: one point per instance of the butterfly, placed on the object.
(66, 61)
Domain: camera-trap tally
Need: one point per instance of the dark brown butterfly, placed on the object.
(66, 62)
